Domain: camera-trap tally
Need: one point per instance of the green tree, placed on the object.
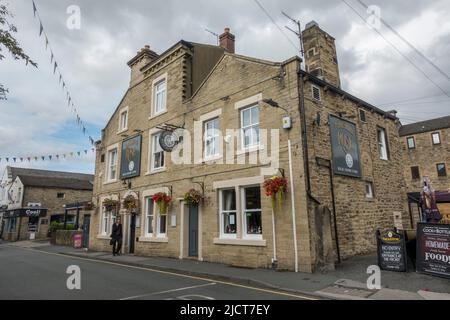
(8, 41)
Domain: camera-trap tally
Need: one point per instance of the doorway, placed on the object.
(132, 232)
(86, 228)
(193, 231)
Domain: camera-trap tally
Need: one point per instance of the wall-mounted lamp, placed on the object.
(287, 120)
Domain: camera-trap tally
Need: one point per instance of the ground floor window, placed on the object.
(12, 224)
(154, 220)
(249, 215)
(108, 219)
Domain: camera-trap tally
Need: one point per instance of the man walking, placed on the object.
(116, 237)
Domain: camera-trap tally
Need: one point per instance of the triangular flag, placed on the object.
(60, 78)
(50, 157)
(85, 151)
(54, 68)
(7, 159)
(21, 159)
(57, 156)
(78, 152)
(29, 159)
(34, 9)
(41, 28)
(51, 58)
(14, 159)
(43, 158)
(35, 158)
(46, 43)
(64, 155)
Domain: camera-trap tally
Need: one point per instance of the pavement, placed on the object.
(347, 282)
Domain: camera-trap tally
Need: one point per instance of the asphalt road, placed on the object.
(32, 274)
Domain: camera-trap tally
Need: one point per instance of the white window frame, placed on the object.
(250, 126)
(148, 202)
(153, 143)
(155, 92)
(224, 235)
(243, 210)
(370, 194)
(438, 141)
(108, 219)
(312, 93)
(413, 143)
(382, 144)
(108, 163)
(160, 234)
(213, 136)
(121, 126)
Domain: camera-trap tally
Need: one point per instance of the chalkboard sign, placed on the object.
(392, 251)
(433, 249)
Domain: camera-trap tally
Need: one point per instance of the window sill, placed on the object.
(122, 131)
(157, 240)
(156, 115)
(240, 242)
(110, 181)
(155, 171)
(103, 237)
(212, 159)
(249, 150)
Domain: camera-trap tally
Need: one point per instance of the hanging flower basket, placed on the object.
(275, 188)
(110, 204)
(130, 203)
(193, 197)
(162, 200)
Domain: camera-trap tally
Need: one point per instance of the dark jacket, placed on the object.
(116, 232)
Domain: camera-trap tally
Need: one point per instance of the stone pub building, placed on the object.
(340, 155)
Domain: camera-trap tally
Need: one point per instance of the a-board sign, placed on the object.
(392, 251)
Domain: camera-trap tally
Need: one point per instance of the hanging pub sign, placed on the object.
(391, 251)
(345, 147)
(130, 164)
(433, 249)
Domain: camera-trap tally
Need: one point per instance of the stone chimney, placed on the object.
(142, 58)
(320, 54)
(227, 40)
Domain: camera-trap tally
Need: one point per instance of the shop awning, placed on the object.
(25, 212)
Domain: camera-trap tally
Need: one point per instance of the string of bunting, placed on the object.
(56, 69)
(63, 156)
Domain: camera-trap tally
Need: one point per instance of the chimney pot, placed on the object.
(227, 40)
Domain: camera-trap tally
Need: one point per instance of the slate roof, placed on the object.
(425, 126)
(53, 179)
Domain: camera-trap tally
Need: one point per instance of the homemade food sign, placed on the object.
(345, 147)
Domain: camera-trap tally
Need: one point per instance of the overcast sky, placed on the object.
(35, 120)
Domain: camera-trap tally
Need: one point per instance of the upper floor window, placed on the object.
(159, 96)
(19, 195)
(382, 144)
(250, 127)
(112, 164)
(436, 138)
(411, 143)
(316, 93)
(212, 138)
(123, 120)
(415, 173)
(369, 190)
(441, 170)
(157, 154)
(362, 115)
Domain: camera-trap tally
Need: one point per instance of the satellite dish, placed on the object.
(168, 140)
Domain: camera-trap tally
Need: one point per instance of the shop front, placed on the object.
(22, 223)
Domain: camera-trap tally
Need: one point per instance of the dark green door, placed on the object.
(193, 231)
(86, 228)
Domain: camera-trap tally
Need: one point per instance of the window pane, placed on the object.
(255, 115)
(246, 114)
(252, 198)
(229, 223)
(411, 143)
(442, 172)
(436, 138)
(162, 224)
(229, 200)
(254, 225)
(149, 215)
(415, 173)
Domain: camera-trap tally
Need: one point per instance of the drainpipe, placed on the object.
(294, 220)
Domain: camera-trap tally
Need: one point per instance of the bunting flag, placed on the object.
(62, 82)
(34, 9)
(44, 158)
